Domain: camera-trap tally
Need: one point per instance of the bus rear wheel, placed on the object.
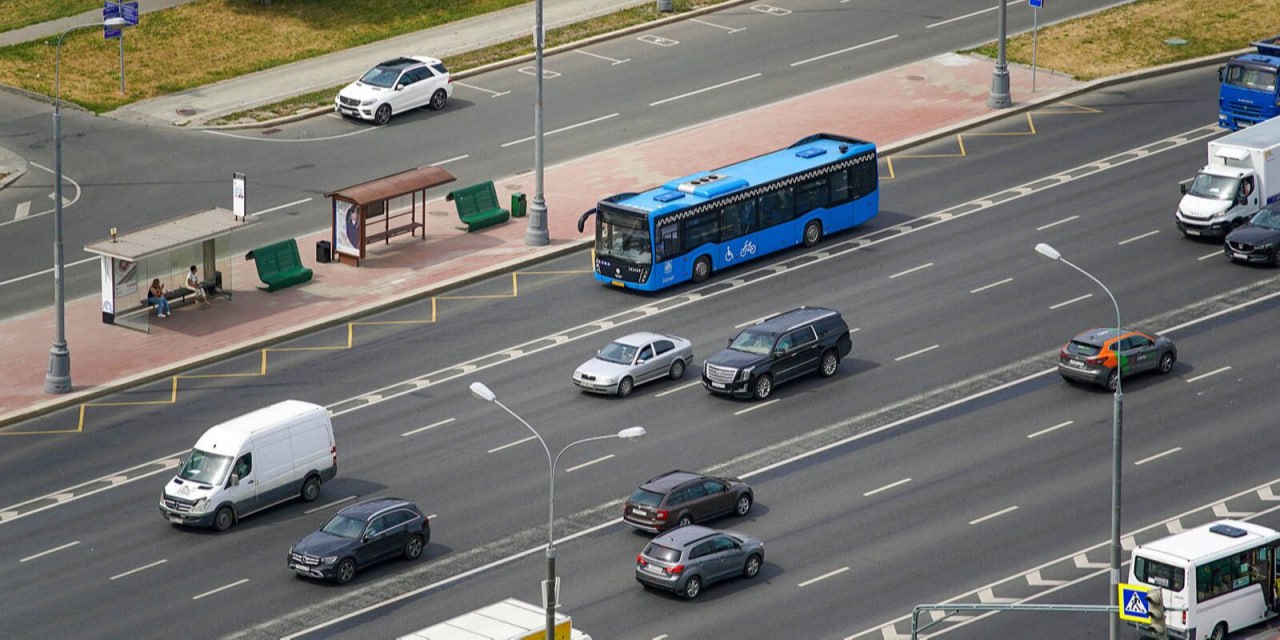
(812, 233)
(1219, 632)
(701, 269)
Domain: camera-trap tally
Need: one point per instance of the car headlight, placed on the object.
(603, 380)
(745, 374)
(328, 559)
(201, 506)
(368, 103)
(1265, 246)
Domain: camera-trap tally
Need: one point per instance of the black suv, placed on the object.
(360, 535)
(778, 349)
(678, 498)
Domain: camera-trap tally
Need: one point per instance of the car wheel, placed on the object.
(830, 362)
(1166, 362)
(413, 548)
(437, 100)
(684, 521)
(812, 233)
(346, 571)
(763, 387)
(223, 519)
(1113, 379)
(625, 386)
(701, 269)
(382, 115)
(744, 505)
(692, 588)
(752, 568)
(677, 370)
(310, 489)
(1219, 632)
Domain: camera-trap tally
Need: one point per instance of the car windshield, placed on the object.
(1266, 218)
(343, 526)
(756, 342)
(204, 467)
(1214, 187)
(380, 77)
(618, 353)
(645, 497)
(659, 552)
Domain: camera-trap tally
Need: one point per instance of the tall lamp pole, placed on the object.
(631, 433)
(1117, 426)
(999, 96)
(536, 234)
(57, 379)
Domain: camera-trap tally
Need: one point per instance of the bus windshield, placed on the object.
(624, 236)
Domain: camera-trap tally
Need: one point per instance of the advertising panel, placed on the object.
(348, 228)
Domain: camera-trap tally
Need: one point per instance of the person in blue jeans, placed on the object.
(155, 296)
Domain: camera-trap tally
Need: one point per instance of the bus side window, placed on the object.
(840, 186)
(775, 207)
(811, 195)
(700, 230)
(864, 178)
(737, 220)
(668, 241)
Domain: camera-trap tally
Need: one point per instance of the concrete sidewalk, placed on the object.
(892, 108)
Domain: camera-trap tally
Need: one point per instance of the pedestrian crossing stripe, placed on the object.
(1133, 603)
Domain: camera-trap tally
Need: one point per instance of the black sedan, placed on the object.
(360, 535)
(1258, 240)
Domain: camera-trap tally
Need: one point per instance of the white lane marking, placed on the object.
(751, 322)
(970, 15)
(658, 40)
(911, 270)
(453, 159)
(1206, 257)
(533, 71)
(1158, 455)
(430, 426)
(612, 61)
(1211, 373)
(991, 286)
(1053, 428)
(53, 550)
(512, 444)
(167, 464)
(24, 208)
(492, 93)
(279, 207)
(222, 588)
(887, 487)
(1139, 237)
(1071, 301)
(432, 516)
(1054, 224)
(822, 577)
(705, 89)
(1034, 579)
(327, 505)
(1220, 510)
(994, 515)
(259, 138)
(562, 129)
(142, 568)
(754, 407)
(847, 50)
(48, 271)
(661, 637)
(65, 201)
(588, 463)
(718, 26)
(679, 388)
(989, 596)
(915, 353)
(770, 9)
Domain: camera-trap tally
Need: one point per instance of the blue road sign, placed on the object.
(1036, 3)
(1133, 603)
(127, 10)
(130, 13)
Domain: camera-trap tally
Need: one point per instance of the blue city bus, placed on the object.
(693, 226)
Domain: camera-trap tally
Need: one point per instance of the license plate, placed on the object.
(718, 385)
(1239, 256)
(1076, 363)
(640, 512)
(175, 519)
(1193, 232)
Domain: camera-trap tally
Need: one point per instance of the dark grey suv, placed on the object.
(360, 535)
(777, 349)
(684, 560)
(678, 498)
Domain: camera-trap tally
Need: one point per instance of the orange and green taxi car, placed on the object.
(1092, 356)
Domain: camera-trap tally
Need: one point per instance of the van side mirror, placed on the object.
(234, 481)
(1183, 187)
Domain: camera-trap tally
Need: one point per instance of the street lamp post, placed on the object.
(57, 378)
(1117, 425)
(631, 433)
(999, 96)
(536, 234)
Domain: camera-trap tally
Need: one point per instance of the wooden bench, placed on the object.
(478, 206)
(179, 295)
(391, 232)
(279, 265)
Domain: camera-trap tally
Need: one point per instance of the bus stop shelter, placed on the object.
(165, 251)
(381, 209)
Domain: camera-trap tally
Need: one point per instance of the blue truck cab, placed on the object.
(1248, 91)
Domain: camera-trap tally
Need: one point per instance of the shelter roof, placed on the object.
(398, 184)
(171, 234)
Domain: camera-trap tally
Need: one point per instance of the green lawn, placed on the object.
(21, 13)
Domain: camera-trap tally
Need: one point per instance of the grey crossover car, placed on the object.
(360, 535)
(678, 498)
(634, 360)
(1093, 355)
(686, 559)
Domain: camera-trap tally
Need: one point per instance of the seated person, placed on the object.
(193, 283)
(155, 296)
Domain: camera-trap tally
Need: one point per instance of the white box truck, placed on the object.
(1242, 176)
(510, 619)
(252, 462)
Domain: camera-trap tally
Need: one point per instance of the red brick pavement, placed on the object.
(888, 108)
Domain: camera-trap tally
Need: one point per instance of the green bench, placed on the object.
(478, 206)
(279, 265)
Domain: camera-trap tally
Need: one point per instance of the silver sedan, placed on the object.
(633, 360)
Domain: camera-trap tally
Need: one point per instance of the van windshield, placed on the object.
(204, 467)
(1214, 187)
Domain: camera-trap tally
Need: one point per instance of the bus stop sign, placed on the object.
(1134, 606)
(1036, 3)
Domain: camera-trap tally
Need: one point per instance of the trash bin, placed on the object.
(665, 6)
(517, 205)
(324, 251)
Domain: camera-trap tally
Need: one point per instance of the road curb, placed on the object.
(12, 167)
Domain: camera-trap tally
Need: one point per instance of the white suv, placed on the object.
(396, 86)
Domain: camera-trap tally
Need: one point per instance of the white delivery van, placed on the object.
(247, 464)
(1242, 176)
(510, 619)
